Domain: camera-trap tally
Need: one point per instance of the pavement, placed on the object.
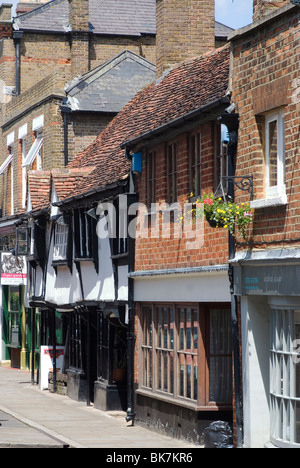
(34, 418)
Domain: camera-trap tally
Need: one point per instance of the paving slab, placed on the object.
(33, 417)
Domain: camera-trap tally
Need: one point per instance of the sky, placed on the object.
(233, 13)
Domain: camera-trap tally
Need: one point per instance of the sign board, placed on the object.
(13, 269)
(46, 363)
(267, 280)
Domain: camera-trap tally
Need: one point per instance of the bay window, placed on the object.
(285, 377)
(186, 353)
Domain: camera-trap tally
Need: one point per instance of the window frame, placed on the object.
(171, 171)
(34, 155)
(66, 259)
(195, 162)
(283, 375)
(279, 189)
(85, 235)
(151, 177)
(149, 369)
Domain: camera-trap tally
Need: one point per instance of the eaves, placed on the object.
(26, 111)
(178, 125)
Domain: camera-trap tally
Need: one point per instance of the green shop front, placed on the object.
(16, 320)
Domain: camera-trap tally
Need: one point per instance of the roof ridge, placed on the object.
(43, 6)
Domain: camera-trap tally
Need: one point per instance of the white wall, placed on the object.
(202, 287)
(64, 287)
(255, 355)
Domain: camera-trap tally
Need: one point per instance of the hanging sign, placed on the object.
(13, 269)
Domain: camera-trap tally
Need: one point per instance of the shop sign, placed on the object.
(267, 280)
(13, 269)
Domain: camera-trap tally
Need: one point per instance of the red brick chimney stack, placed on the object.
(264, 7)
(184, 29)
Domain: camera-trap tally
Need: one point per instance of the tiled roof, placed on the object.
(39, 188)
(222, 31)
(65, 180)
(117, 17)
(123, 17)
(186, 88)
(109, 87)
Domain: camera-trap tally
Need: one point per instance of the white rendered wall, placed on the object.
(255, 356)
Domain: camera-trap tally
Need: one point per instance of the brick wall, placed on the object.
(266, 78)
(83, 128)
(264, 7)
(185, 28)
(41, 55)
(172, 252)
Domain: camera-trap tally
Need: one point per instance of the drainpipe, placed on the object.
(17, 36)
(231, 120)
(132, 198)
(65, 111)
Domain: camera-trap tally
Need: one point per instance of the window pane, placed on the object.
(147, 345)
(273, 138)
(195, 163)
(220, 361)
(187, 353)
(285, 376)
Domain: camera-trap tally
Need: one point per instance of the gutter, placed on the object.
(178, 271)
(89, 193)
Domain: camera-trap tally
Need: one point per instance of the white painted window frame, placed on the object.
(283, 395)
(279, 189)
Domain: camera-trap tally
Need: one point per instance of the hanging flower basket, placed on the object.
(213, 223)
(223, 214)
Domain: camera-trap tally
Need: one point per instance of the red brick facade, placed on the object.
(265, 80)
(163, 254)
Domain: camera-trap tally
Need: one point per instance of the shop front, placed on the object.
(269, 288)
(16, 329)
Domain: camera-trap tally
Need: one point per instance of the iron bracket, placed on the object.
(244, 183)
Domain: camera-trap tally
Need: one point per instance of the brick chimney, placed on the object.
(184, 29)
(79, 24)
(5, 20)
(27, 5)
(264, 7)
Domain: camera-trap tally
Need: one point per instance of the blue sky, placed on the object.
(233, 13)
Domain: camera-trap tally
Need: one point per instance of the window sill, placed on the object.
(62, 262)
(280, 200)
(83, 259)
(181, 401)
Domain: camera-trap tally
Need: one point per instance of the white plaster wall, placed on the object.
(39, 279)
(64, 287)
(123, 283)
(255, 358)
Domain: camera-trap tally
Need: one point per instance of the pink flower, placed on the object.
(208, 201)
(247, 213)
